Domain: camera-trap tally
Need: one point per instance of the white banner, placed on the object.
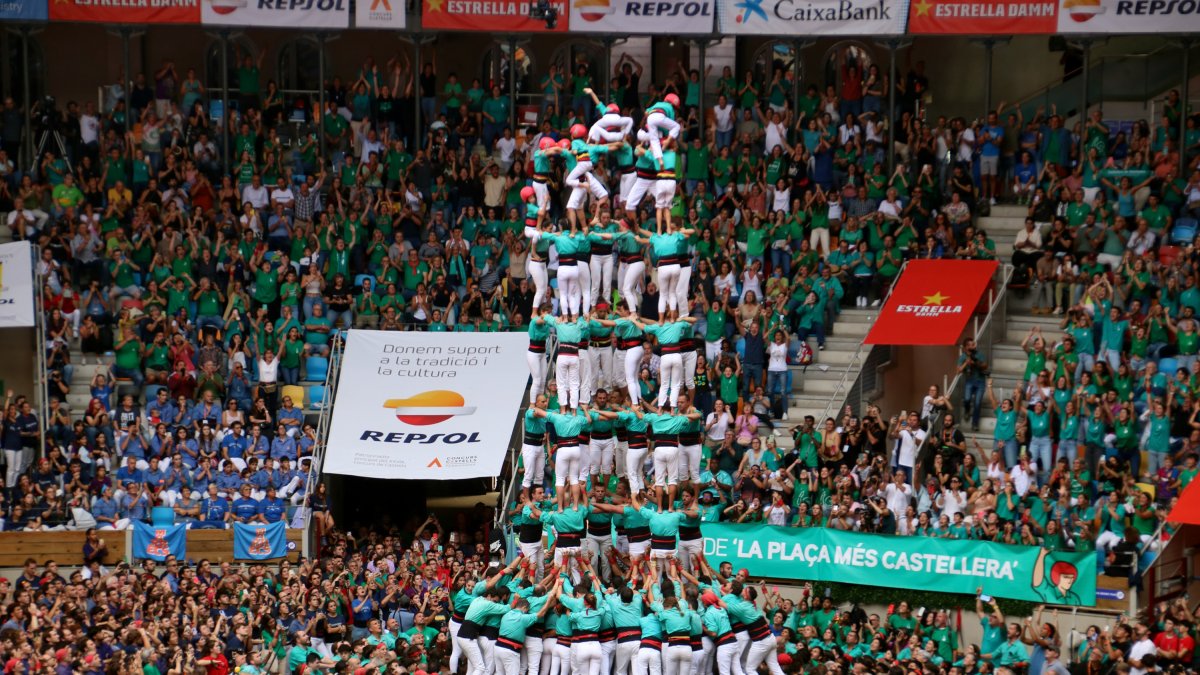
(1129, 16)
(679, 17)
(426, 405)
(277, 13)
(812, 17)
(379, 14)
(16, 285)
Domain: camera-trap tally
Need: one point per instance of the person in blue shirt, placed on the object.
(137, 503)
(287, 480)
(131, 444)
(175, 479)
(245, 508)
(991, 136)
(258, 446)
(290, 417)
(260, 478)
(214, 510)
(283, 445)
(161, 407)
(129, 472)
(108, 511)
(228, 483)
(272, 509)
(234, 445)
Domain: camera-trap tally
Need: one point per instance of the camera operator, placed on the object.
(973, 366)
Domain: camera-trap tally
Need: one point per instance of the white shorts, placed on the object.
(664, 193)
(637, 549)
(640, 187)
(989, 166)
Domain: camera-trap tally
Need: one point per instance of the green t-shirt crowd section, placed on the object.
(192, 307)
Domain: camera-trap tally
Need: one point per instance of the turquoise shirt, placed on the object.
(514, 623)
(668, 333)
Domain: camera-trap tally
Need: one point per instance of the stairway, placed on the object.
(814, 386)
(1005, 356)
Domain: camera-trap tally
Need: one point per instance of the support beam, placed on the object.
(989, 49)
(1086, 45)
(27, 103)
(127, 85)
(224, 33)
(319, 122)
(1183, 99)
(512, 84)
(891, 120)
(703, 44)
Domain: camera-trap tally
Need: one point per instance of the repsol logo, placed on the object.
(419, 439)
(668, 9)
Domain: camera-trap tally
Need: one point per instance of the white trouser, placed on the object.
(677, 660)
(585, 284)
(689, 366)
(624, 654)
(587, 376)
(488, 647)
(469, 647)
(542, 192)
(632, 276)
(689, 462)
(622, 449)
(602, 367)
(533, 654)
(741, 650)
(574, 179)
(633, 468)
(633, 360)
(763, 650)
(712, 350)
(585, 462)
(574, 660)
(670, 369)
(682, 286)
(455, 649)
(566, 466)
(561, 662)
(568, 285)
(322, 648)
(537, 373)
(601, 456)
(532, 551)
(626, 185)
(508, 662)
(666, 465)
(601, 277)
(606, 651)
(610, 128)
(726, 657)
(18, 462)
(548, 645)
(534, 458)
(601, 548)
(668, 275)
(689, 552)
(580, 192)
(637, 192)
(541, 280)
(656, 124)
(664, 192)
(566, 373)
(648, 662)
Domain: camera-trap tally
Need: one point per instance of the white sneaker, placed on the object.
(876, 302)
(992, 201)
(785, 416)
(776, 432)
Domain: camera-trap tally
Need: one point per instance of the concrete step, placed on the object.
(1007, 365)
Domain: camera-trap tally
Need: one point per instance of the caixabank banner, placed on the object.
(426, 405)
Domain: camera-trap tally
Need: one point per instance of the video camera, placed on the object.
(542, 10)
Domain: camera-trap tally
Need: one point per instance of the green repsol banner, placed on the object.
(944, 565)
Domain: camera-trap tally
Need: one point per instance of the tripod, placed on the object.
(45, 137)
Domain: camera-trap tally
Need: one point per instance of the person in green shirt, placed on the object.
(128, 363)
(248, 79)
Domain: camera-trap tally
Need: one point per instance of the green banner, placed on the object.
(943, 565)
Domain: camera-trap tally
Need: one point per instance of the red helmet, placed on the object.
(546, 142)
(672, 99)
(564, 144)
(578, 131)
(526, 193)
(613, 108)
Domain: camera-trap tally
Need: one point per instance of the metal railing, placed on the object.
(982, 333)
(840, 396)
(336, 352)
(41, 368)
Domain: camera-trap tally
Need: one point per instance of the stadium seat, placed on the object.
(294, 392)
(316, 396)
(151, 391)
(1167, 254)
(1184, 231)
(1168, 365)
(316, 368)
(162, 516)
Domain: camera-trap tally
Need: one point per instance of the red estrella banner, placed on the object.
(126, 11)
(932, 302)
(982, 17)
(489, 15)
